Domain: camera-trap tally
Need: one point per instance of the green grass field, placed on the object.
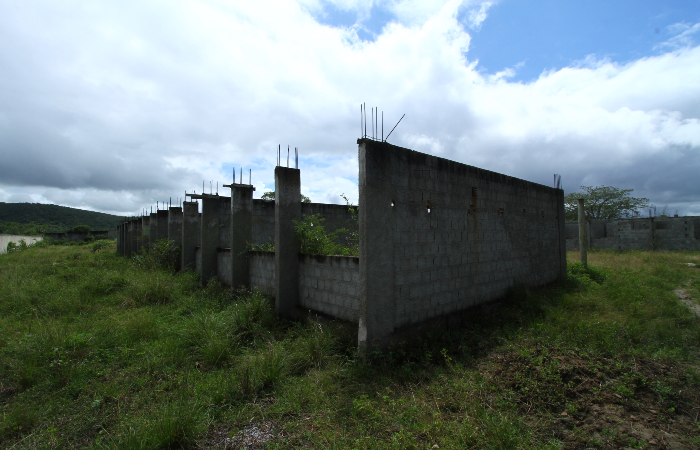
(97, 351)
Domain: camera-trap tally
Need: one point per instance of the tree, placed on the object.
(270, 195)
(604, 202)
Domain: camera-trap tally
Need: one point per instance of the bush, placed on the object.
(100, 245)
(162, 255)
(12, 247)
(81, 229)
(315, 240)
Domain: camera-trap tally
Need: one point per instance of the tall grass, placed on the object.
(99, 351)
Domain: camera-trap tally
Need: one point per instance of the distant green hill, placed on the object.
(36, 218)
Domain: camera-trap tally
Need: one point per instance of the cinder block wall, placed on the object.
(262, 271)
(438, 236)
(657, 233)
(330, 284)
(223, 266)
(263, 221)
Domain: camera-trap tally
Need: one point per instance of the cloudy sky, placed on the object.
(114, 105)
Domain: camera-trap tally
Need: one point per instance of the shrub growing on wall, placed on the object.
(315, 240)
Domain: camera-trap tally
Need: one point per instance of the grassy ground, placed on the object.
(97, 351)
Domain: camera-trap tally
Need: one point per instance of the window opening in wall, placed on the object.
(428, 209)
(473, 202)
(392, 203)
(523, 211)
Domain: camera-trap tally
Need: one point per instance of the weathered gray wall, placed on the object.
(262, 271)
(438, 236)
(655, 233)
(329, 284)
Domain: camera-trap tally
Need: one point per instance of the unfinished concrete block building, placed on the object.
(644, 233)
(436, 238)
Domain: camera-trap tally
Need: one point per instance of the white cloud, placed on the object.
(114, 107)
(683, 36)
(478, 13)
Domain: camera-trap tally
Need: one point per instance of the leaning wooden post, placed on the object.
(582, 239)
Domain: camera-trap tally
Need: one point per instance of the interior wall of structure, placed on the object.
(262, 271)
(650, 233)
(223, 265)
(330, 284)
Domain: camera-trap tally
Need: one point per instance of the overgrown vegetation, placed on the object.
(316, 240)
(99, 351)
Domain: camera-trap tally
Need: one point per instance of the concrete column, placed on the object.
(175, 232)
(127, 242)
(190, 235)
(287, 246)
(582, 239)
(209, 231)
(223, 257)
(153, 229)
(145, 232)
(561, 214)
(124, 237)
(119, 240)
(162, 224)
(376, 221)
(241, 233)
(134, 237)
(139, 235)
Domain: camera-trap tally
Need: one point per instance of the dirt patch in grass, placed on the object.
(588, 401)
(685, 298)
(253, 435)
